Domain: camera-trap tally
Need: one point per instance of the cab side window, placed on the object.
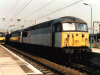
(57, 27)
(24, 34)
(53, 28)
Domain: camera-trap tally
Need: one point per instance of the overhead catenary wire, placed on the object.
(40, 8)
(59, 9)
(20, 11)
(52, 11)
(45, 6)
(23, 8)
(12, 9)
(22, 5)
(34, 11)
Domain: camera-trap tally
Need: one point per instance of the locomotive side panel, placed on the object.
(25, 37)
(39, 36)
(58, 39)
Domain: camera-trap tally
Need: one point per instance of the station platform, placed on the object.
(96, 50)
(11, 64)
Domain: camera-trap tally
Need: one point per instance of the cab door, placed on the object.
(57, 28)
(53, 35)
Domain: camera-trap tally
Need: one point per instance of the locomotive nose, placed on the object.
(76, 39)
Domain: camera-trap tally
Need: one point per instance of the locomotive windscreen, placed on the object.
(2, 35)
(75, 26)
(81, 26)
(68, 26)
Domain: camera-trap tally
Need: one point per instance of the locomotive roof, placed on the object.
(69, 19)
(59, 20)
(17, 31)
(41, 25)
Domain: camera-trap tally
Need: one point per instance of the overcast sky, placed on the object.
(40, 11)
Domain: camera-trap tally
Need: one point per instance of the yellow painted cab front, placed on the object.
(75, 39)
(14, 39)
(2, 40)
(74, 35)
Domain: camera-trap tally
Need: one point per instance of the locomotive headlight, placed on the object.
(66, 35)
(85, 35)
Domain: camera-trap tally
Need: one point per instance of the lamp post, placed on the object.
(91, 25)
(96, 39)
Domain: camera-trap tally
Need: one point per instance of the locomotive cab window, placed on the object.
(2, 35)
(81, 27)
(24, 34)
(68, 26)
(14, 35)
(57, 27)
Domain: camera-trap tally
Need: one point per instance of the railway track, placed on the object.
(85, 68)
(40, 66)
(45, 66)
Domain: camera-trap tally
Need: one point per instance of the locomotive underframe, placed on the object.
(74, 54)
(73, 50)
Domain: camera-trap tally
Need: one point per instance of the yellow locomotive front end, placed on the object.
(2, 38)
(16, 36)
(71, 35)
(75, 37)
(14, 39)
